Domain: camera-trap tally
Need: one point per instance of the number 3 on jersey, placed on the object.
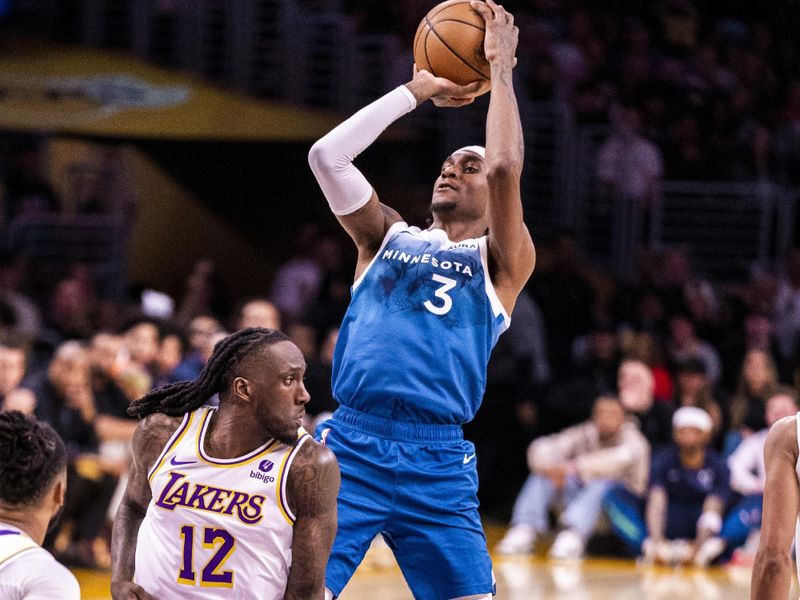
(447, 302)
(210, 576)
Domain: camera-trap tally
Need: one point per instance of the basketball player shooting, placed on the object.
(427, 308)
(234, 501)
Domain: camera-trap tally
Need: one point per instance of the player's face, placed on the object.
(461, 185)
(279, 394)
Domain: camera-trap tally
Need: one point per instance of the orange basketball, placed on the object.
(449, 43)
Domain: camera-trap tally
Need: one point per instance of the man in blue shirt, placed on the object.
(689, 488)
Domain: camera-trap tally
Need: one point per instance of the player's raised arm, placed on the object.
(350, 196)
(312, 488)
(772, 571)
(510, 243)
(149, 440)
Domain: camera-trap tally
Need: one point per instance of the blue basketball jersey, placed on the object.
(421, 325)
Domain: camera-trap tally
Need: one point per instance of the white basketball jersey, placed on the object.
(216, 528)
(29, 572)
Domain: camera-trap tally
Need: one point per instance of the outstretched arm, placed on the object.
(349, 194)
(312, 488)
(510, 245)
(149, 440)
(772, 571)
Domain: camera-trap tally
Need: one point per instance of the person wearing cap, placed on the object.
(681, 519)
(427, 307)
(577, 466)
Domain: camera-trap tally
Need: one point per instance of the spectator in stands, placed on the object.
(787, 309)
(172, 349)
(203, 330)
(25, 314)
(693, 389)
(629, 166)
(203, 296)
(305, 337)
(13, 364)
(683, 345)
(71, 314)
(642, 346)
(578, 466)
(64, 398)
(689, 488)
(748, 473)
(297, 282)
(259, 313)
(757, 380)
(635, 385)
(564, 295)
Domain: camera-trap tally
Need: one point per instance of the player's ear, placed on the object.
(241, 388)
(60, 489)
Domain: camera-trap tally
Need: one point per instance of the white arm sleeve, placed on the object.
(331, 158)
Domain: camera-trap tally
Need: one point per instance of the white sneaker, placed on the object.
(709, 551)
(569, 545)
(520, 539)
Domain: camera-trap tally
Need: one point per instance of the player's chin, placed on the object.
(442, 205)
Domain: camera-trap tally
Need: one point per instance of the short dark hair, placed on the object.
(31, 457)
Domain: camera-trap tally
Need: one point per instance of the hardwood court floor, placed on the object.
(537, 578)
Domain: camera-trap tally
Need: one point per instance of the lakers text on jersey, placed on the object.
(216, 527)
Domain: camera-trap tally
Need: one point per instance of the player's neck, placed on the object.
(458, 231)
(231, 436)
(31, 522)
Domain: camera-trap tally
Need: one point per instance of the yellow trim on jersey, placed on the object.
(26, 543)
(174, 441)
(267, 448)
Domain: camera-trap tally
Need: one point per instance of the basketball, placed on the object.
(449, 43)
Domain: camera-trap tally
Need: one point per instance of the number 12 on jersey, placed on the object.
(210, 576)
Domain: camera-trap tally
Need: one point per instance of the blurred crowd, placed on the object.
(714, 86)
(639, 407)
(590, 364)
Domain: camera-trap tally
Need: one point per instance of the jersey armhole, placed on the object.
(497, 306)
(283, 476)
(173, 440)
(392, 230)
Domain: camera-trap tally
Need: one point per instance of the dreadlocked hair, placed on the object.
(176, 399)
(31, 457)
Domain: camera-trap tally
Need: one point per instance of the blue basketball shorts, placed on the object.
(416, 484)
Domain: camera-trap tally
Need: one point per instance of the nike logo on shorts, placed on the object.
(467, 459)
(177, 463)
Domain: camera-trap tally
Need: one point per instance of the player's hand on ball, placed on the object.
(127, 590)
(445, 93)
(502, 36)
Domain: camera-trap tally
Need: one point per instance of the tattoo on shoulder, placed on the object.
(313, 479)
(153, 432)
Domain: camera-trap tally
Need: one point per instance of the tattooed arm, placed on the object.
(149, 440)
(312, 488)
